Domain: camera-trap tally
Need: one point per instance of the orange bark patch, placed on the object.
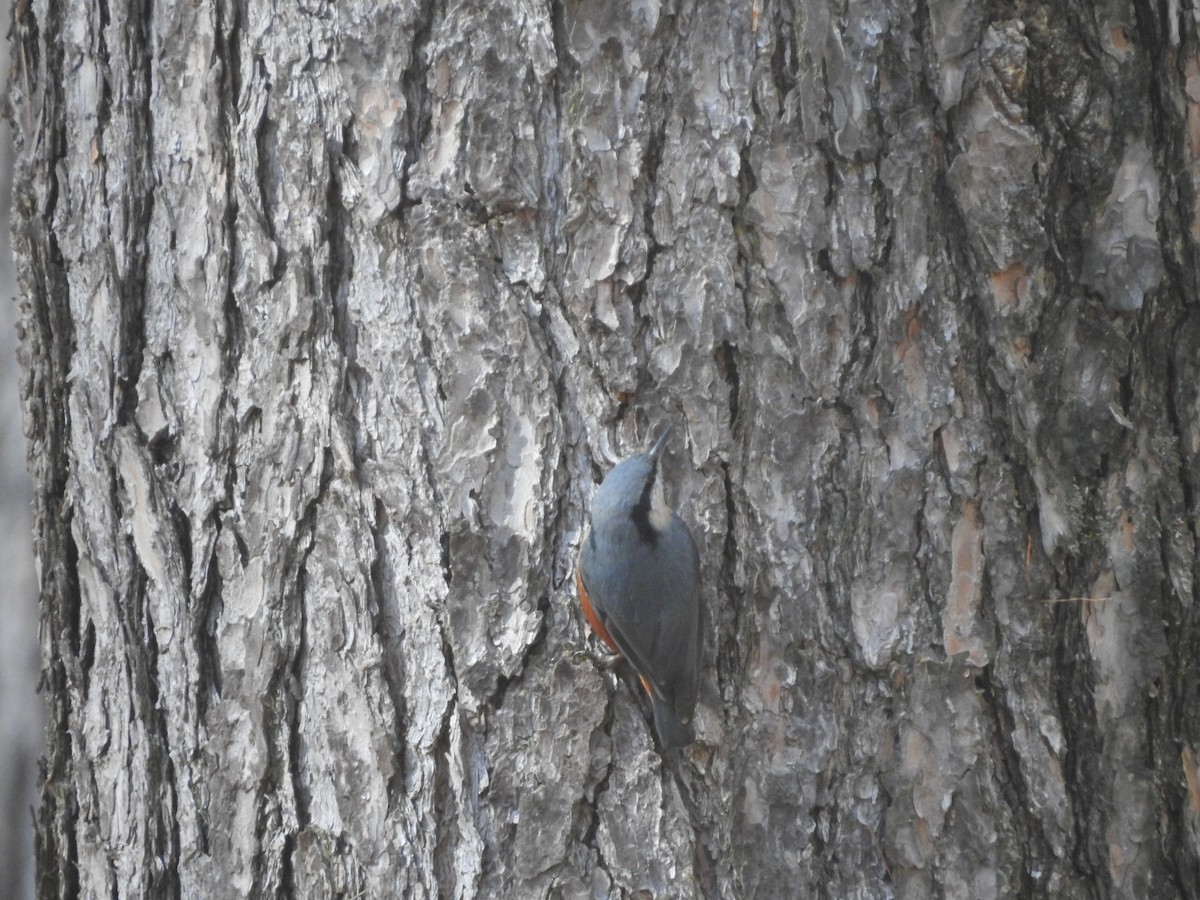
(1009, 286)
(960, 619)
(1022, 348)
(1119, 38)
(1188, 758)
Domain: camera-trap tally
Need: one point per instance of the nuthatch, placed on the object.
(638, 581)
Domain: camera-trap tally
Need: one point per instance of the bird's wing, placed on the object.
(661, 638)
(639, 652)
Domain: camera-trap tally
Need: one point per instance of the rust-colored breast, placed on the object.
(590, 614)
(594, 621)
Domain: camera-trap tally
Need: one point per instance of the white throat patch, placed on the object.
(660, 513)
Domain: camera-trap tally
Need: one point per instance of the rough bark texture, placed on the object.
(335, 312)
(21, 721)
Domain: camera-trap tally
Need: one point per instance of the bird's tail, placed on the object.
(671, 731)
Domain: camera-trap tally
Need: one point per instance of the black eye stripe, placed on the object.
(641, 510)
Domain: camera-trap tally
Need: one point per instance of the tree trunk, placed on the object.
(21, 724)
(334, 313)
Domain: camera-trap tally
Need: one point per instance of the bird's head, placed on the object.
(633, 491)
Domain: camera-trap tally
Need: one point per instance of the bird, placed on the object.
(638, 578)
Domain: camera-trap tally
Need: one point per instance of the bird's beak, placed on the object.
(656, 451)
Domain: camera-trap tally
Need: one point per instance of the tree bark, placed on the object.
(335, 313)
(21, 722)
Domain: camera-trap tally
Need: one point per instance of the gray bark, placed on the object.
(21, 721)
(334, 314)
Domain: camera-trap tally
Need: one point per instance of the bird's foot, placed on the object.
(607, 660)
